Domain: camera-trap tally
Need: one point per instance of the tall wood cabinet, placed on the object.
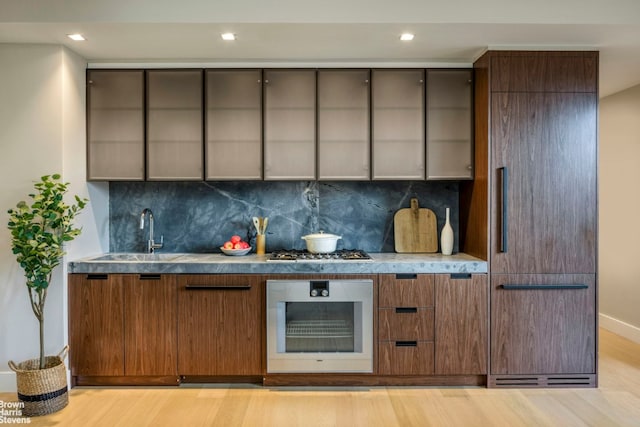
(541, 128)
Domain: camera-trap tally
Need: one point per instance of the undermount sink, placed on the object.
(136, 257)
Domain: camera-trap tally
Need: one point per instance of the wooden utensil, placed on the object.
(415, 229)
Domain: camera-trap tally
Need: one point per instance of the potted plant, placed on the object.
(38, 235)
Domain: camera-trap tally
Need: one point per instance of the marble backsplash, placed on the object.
(200, 216)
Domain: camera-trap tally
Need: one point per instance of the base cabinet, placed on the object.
(220, 325)
(122, 325)
(543, 324)
(462, 324)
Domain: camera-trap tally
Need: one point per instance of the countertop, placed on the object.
(192, 263)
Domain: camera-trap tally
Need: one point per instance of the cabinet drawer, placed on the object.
(406, 290)
(213, 281)
(406, 324)
(406, 358)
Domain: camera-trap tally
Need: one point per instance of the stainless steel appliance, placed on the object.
(319, 326)
(300, 255)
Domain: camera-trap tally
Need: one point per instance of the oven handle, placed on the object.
(217, 287)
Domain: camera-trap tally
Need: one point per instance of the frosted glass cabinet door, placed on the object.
(343, 125)
(289, 124)
(174, 125)
(234, 125)
(449, 124)
(398, 124)
(115, 125)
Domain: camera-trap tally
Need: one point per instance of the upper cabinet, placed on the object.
(343, 125)
(289, 124)
(398, 124)
(174, 125)
(449, 124)
(115, 125)
(234, 125)
(279, 124)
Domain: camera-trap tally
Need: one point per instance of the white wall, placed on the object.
(42, 131)
(619, 234)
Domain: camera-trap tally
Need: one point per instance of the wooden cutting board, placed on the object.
(415, 229)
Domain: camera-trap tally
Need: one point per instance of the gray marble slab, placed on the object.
(198, 217)
(195, 263)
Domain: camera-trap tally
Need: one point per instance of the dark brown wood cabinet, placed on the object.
(220, 325)
(462, 324)
(96, 324)
(406, 324)
(543, 323)
(536, 114)
(150, 313)
(122, 329)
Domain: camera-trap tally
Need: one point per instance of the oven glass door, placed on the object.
(325, 327)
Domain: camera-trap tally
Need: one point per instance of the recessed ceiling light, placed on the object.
(406, 37)
(228, 36)
(76, 37)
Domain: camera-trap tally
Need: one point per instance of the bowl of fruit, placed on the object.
(235, 246)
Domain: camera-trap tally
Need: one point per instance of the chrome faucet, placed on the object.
(151, 244)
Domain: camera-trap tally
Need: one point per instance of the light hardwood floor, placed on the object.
(616, 402)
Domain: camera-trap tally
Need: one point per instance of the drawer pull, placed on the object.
(406, 276)
(149, 277)
(406, 343)
(406, 309)
(457, 276)
(541, 287)
(217, 288)
(97, 276)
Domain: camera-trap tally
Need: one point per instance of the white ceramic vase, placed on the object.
(446, 237)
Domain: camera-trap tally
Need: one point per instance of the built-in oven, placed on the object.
(319, 326)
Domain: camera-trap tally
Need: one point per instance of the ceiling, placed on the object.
(329, 32)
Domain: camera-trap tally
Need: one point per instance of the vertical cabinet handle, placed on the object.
(504, 186)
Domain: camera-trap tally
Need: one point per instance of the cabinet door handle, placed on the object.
(460, 276)
(504, 185)
(149, 277)
(217, 287)
(406, 343)
(97, 276)
(406, 309)
(510, 287)
(406, 276)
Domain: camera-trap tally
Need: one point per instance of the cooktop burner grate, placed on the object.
(302, 255)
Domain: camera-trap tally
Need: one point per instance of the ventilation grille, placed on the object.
(541, 381)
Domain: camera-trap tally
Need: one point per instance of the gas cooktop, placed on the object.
(296, 255)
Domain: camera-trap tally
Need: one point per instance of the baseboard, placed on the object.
(7, 382)
(619, 327)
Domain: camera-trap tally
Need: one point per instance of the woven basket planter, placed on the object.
(42, 391)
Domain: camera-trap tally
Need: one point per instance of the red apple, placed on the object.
(237, 245)
(235, 239)
(228, 245)
(245, 245)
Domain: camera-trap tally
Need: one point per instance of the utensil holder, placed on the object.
(260, 244)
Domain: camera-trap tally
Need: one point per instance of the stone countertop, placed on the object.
(192, 263)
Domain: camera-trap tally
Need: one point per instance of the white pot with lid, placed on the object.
(321, 242)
